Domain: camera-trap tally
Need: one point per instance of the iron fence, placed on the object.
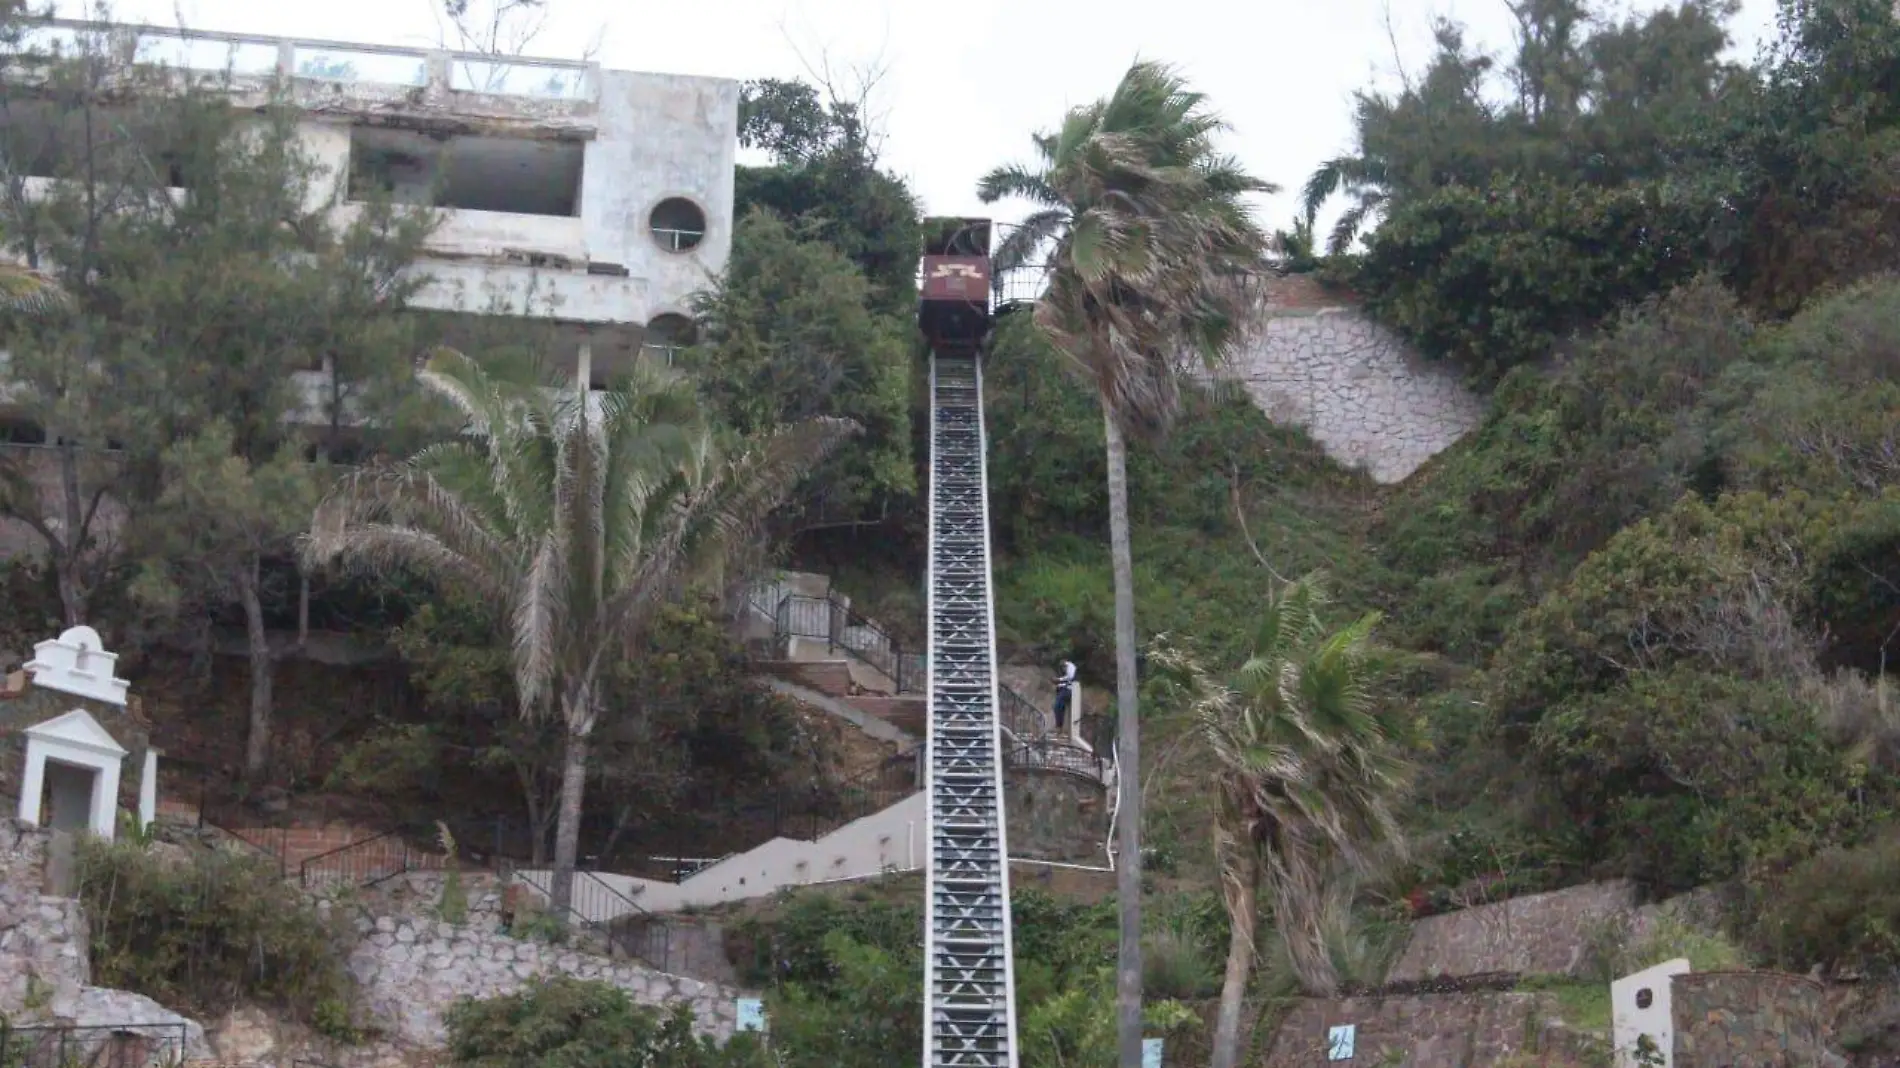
(805, 813)
(223, 806)
(365, 862)
(132, 1045)
(613, 916)
(1054, 754)
(843, 630)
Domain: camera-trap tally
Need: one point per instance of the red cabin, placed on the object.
(954, 292)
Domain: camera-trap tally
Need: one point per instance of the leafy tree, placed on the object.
(207, 537)
(1551, 258)
(1152, 244)
(1309, 767)
(573, 516)
(825, 178)
(789, 333)
(209, 289)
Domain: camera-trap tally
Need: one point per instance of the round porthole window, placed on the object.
(677, 224)
(667, 335)
(1644, 999)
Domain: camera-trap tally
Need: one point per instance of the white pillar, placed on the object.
(105, 800)
(148, 790)
(584, 368)
(1075, 714)
(33, 783)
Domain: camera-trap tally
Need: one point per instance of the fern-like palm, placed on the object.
(1307, 767)
(573, 515)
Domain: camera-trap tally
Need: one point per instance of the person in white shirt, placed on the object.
(1065, 695)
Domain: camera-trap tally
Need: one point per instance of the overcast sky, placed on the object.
(967, 81)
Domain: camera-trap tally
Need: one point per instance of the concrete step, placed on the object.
(908, 714)
(829, 677)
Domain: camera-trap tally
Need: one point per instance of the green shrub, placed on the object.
(1838, 910)
(1496, 276)
(1613, 952)
(573, 1023)
(1176, 962)
(212, 931)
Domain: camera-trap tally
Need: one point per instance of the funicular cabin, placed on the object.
(954, 294)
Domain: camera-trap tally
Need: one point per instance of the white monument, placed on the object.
(1639, 1007)
(72, 766)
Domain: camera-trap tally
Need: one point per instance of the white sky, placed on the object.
(967, 81)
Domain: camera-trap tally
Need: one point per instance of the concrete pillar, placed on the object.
(584, 367)
(148, 790)
(32, 785)
(105, 801)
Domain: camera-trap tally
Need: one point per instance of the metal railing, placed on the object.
(843, 630)
(1031, 745)
(222, 807)
(801, 813)
(309, 59)
(616, 918)
(129, 1045)
(365, 862)
(1057, 754)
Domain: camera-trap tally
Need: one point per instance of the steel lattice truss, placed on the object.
(970, 987)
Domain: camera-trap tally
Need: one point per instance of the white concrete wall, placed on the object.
(661, 136)
(886, 841)
(655, 136)
(1630, 1020)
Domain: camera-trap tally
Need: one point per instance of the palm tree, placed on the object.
(1362, 179)
(1151, 252)
(27, 292)
(574, 515)
(1308, 770)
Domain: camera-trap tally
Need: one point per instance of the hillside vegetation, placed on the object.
(1641, 622)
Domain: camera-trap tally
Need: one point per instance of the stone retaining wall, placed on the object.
(411, 971)
(1747, 1020)
(1321, 364)
(43, 961)
(1540, 934)
(1055, 816)
(1425, 1031)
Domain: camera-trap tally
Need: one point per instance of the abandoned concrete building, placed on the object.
(596, 201)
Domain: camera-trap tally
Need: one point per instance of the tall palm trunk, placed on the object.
(1240, 888)
(1127, 752)
(567, 829)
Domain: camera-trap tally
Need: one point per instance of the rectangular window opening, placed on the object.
(515, 176)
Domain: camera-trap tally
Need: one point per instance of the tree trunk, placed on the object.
(1242, 892)
(69, 555)
(537, 821)
(1127, 753)
(257, 744)
(567, 833)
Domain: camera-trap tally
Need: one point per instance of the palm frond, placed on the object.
(30, 293)
(1304, 767)
(540, 607)
(1019, 248)
(1013, 180)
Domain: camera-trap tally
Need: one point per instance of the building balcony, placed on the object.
(345, 78)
